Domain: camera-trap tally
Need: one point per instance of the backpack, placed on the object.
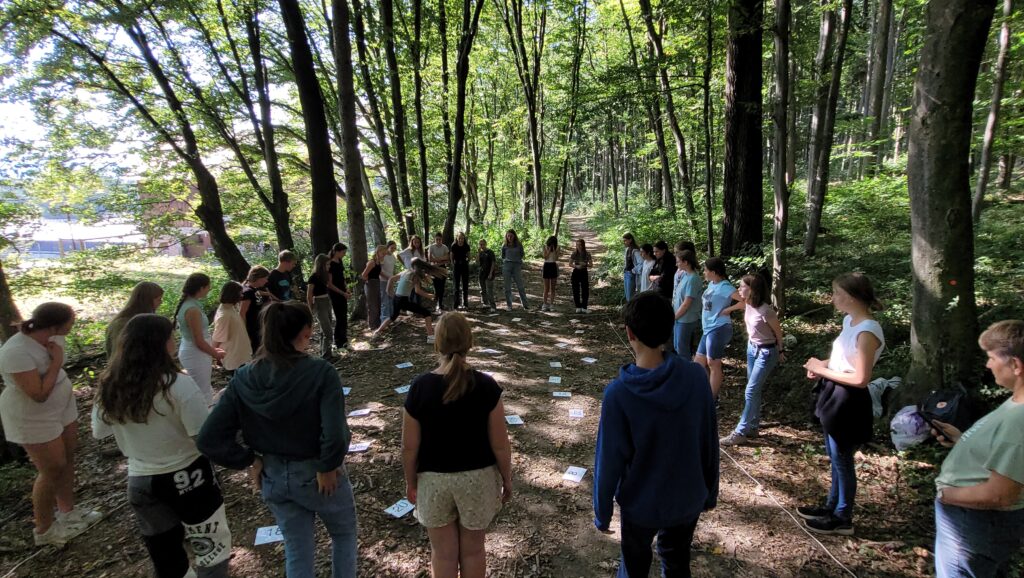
(948, 406)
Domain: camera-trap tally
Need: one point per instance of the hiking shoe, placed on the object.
(56, 535)
(812, 512)
(79, 518)
(734, 439)
(830, 525)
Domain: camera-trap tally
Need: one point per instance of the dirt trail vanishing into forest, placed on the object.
(547, 528)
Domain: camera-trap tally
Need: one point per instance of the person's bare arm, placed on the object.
(39, 388)
(867, 344)
(193, 318)
(497, 432)
(995, 493)
(410, 454)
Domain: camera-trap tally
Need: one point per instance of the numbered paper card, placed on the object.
(490, 351)
(561, 394)
(574, 474)
(575, 413)
(346, 390)
(359, 412)
(562, 345)
(579, 332)
(589, 360)
(546, 323)
(556, 364)
(359, 447)
(525, 343)
(513, 420)
(400, 508)
(404, 365)
(554, 379)
(516, 319)
(403, 389)
(268, 535)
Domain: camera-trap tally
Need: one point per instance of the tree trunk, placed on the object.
(709, 175)
(351, 159)
(323, 221)
(742, 198)
(376, 223)
(820, 76)
(1006, 162)
(819, 184)
(944, 323)
(993, 114)
(10, 317)
(791, 133)
(398, 111)
(417, 48)
(781, 189)
(876, 91)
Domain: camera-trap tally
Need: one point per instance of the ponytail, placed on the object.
(193, 284)
(453, 341)
(458, 375)
(47, 315)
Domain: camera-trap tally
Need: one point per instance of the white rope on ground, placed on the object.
(767, 493)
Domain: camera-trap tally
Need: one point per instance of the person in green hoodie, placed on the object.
(291, 412)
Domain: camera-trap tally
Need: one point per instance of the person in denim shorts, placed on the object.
(714, 320)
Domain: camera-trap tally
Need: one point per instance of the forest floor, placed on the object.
(547, 529)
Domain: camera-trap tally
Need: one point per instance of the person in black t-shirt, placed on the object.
(486, 261)
(338, 290)
(460, 270)
(455, 453)
(254, 296)
(280, 281)
(320, 303)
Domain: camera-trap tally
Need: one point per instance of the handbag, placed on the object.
(948, 406)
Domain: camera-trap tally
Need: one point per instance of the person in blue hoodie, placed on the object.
(657, 446)
(291, 412)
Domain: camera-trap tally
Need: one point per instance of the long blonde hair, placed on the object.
(453, 340)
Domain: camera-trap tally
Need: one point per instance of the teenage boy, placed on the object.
(280, 280)
(657, 446)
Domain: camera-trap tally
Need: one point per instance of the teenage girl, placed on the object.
(460, 271)
(686, 290)
(512, 255)
(764, 351)
(550, 273)
(195, 353)
(37, 408)
(581, 263)
(715, 322)
(153, 411)
(146, 297)
(254, 296)
(630, 261)
(320, 302)
(403, 286)
(229, 332)
(645, 266)
(413, 251)
(339, 294)
(371, 277)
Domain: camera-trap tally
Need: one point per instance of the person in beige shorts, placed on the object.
(456, 454)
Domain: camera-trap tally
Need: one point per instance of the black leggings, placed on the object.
(460, 274)
(340, 306)
(407, 304)
(439, 284)
(580, 287)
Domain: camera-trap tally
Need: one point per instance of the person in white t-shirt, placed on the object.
(153, 411)
(38, 411)
(229, 331)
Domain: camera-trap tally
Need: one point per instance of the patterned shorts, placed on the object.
(472, 497)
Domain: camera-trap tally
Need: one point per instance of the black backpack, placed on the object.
(948, 406)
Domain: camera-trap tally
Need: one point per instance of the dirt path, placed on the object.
(547, 529)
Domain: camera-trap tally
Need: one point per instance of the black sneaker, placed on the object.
(830, 525)
(811, 512)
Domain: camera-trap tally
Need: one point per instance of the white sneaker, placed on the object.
(578, 310)
(79, 518)
(56, 535)
(584, 310)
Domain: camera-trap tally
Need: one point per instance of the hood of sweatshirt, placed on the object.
(275, 392)
(662, 385)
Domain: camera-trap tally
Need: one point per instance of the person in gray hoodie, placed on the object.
(291, 412)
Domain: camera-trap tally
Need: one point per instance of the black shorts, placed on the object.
(407, 304)
(550, 270)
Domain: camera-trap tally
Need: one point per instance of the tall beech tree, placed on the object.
(992, 124)
(944, 321)
(783, 14)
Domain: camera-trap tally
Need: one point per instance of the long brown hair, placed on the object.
(515, 238)
(48, 315)
(758, 295)
(453, 340)
(139, 369)
(193, 284)
(141, 300)
(858, 286)
(280, 324)
(320, 267)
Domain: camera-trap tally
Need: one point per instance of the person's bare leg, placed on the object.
(472, 556)
(430, 325)
(715, 366)
(66, 488)
(444, 551)
(50, 461)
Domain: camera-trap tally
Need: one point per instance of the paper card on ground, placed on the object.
(562, 345)
(491, 351)
(546, 323)
(561, 394)
(359, 412)
(556, 364)
(579, 332)
(493, 315)
(346, 390)
(554, 379)
(513, 420)
(516, 319)
(268, 535)
(574, 321)
(588, 359)
(403, 389)
(575, 413)
(404, 365)
(574, 474)
(525, 343)
(400, 508)
(359, 447)
(503, 331)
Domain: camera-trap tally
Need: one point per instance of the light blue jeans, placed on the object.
(386, 302)
(511, 271)
(291, 492)
(760, 363)
(843, 493)
(682, 338)
(975, 543)
(629, 283)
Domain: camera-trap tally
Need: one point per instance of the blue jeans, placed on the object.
(682, 338)
(510, 272)
(760, 363)
(291, 492)
(975, 543)
(673, 549)
(844, 479)
(629, 283)
(386, 302)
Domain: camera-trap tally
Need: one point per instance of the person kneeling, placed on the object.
(657, 446)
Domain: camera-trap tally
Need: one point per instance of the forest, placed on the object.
(798, 139)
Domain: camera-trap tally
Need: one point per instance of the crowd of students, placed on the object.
(282, 416)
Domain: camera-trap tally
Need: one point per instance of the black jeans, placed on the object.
(460, 274)
(439, 284)
(580, 287)
(673, 548)
(340, 306)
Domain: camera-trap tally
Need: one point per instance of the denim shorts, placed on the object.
(713, 343)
